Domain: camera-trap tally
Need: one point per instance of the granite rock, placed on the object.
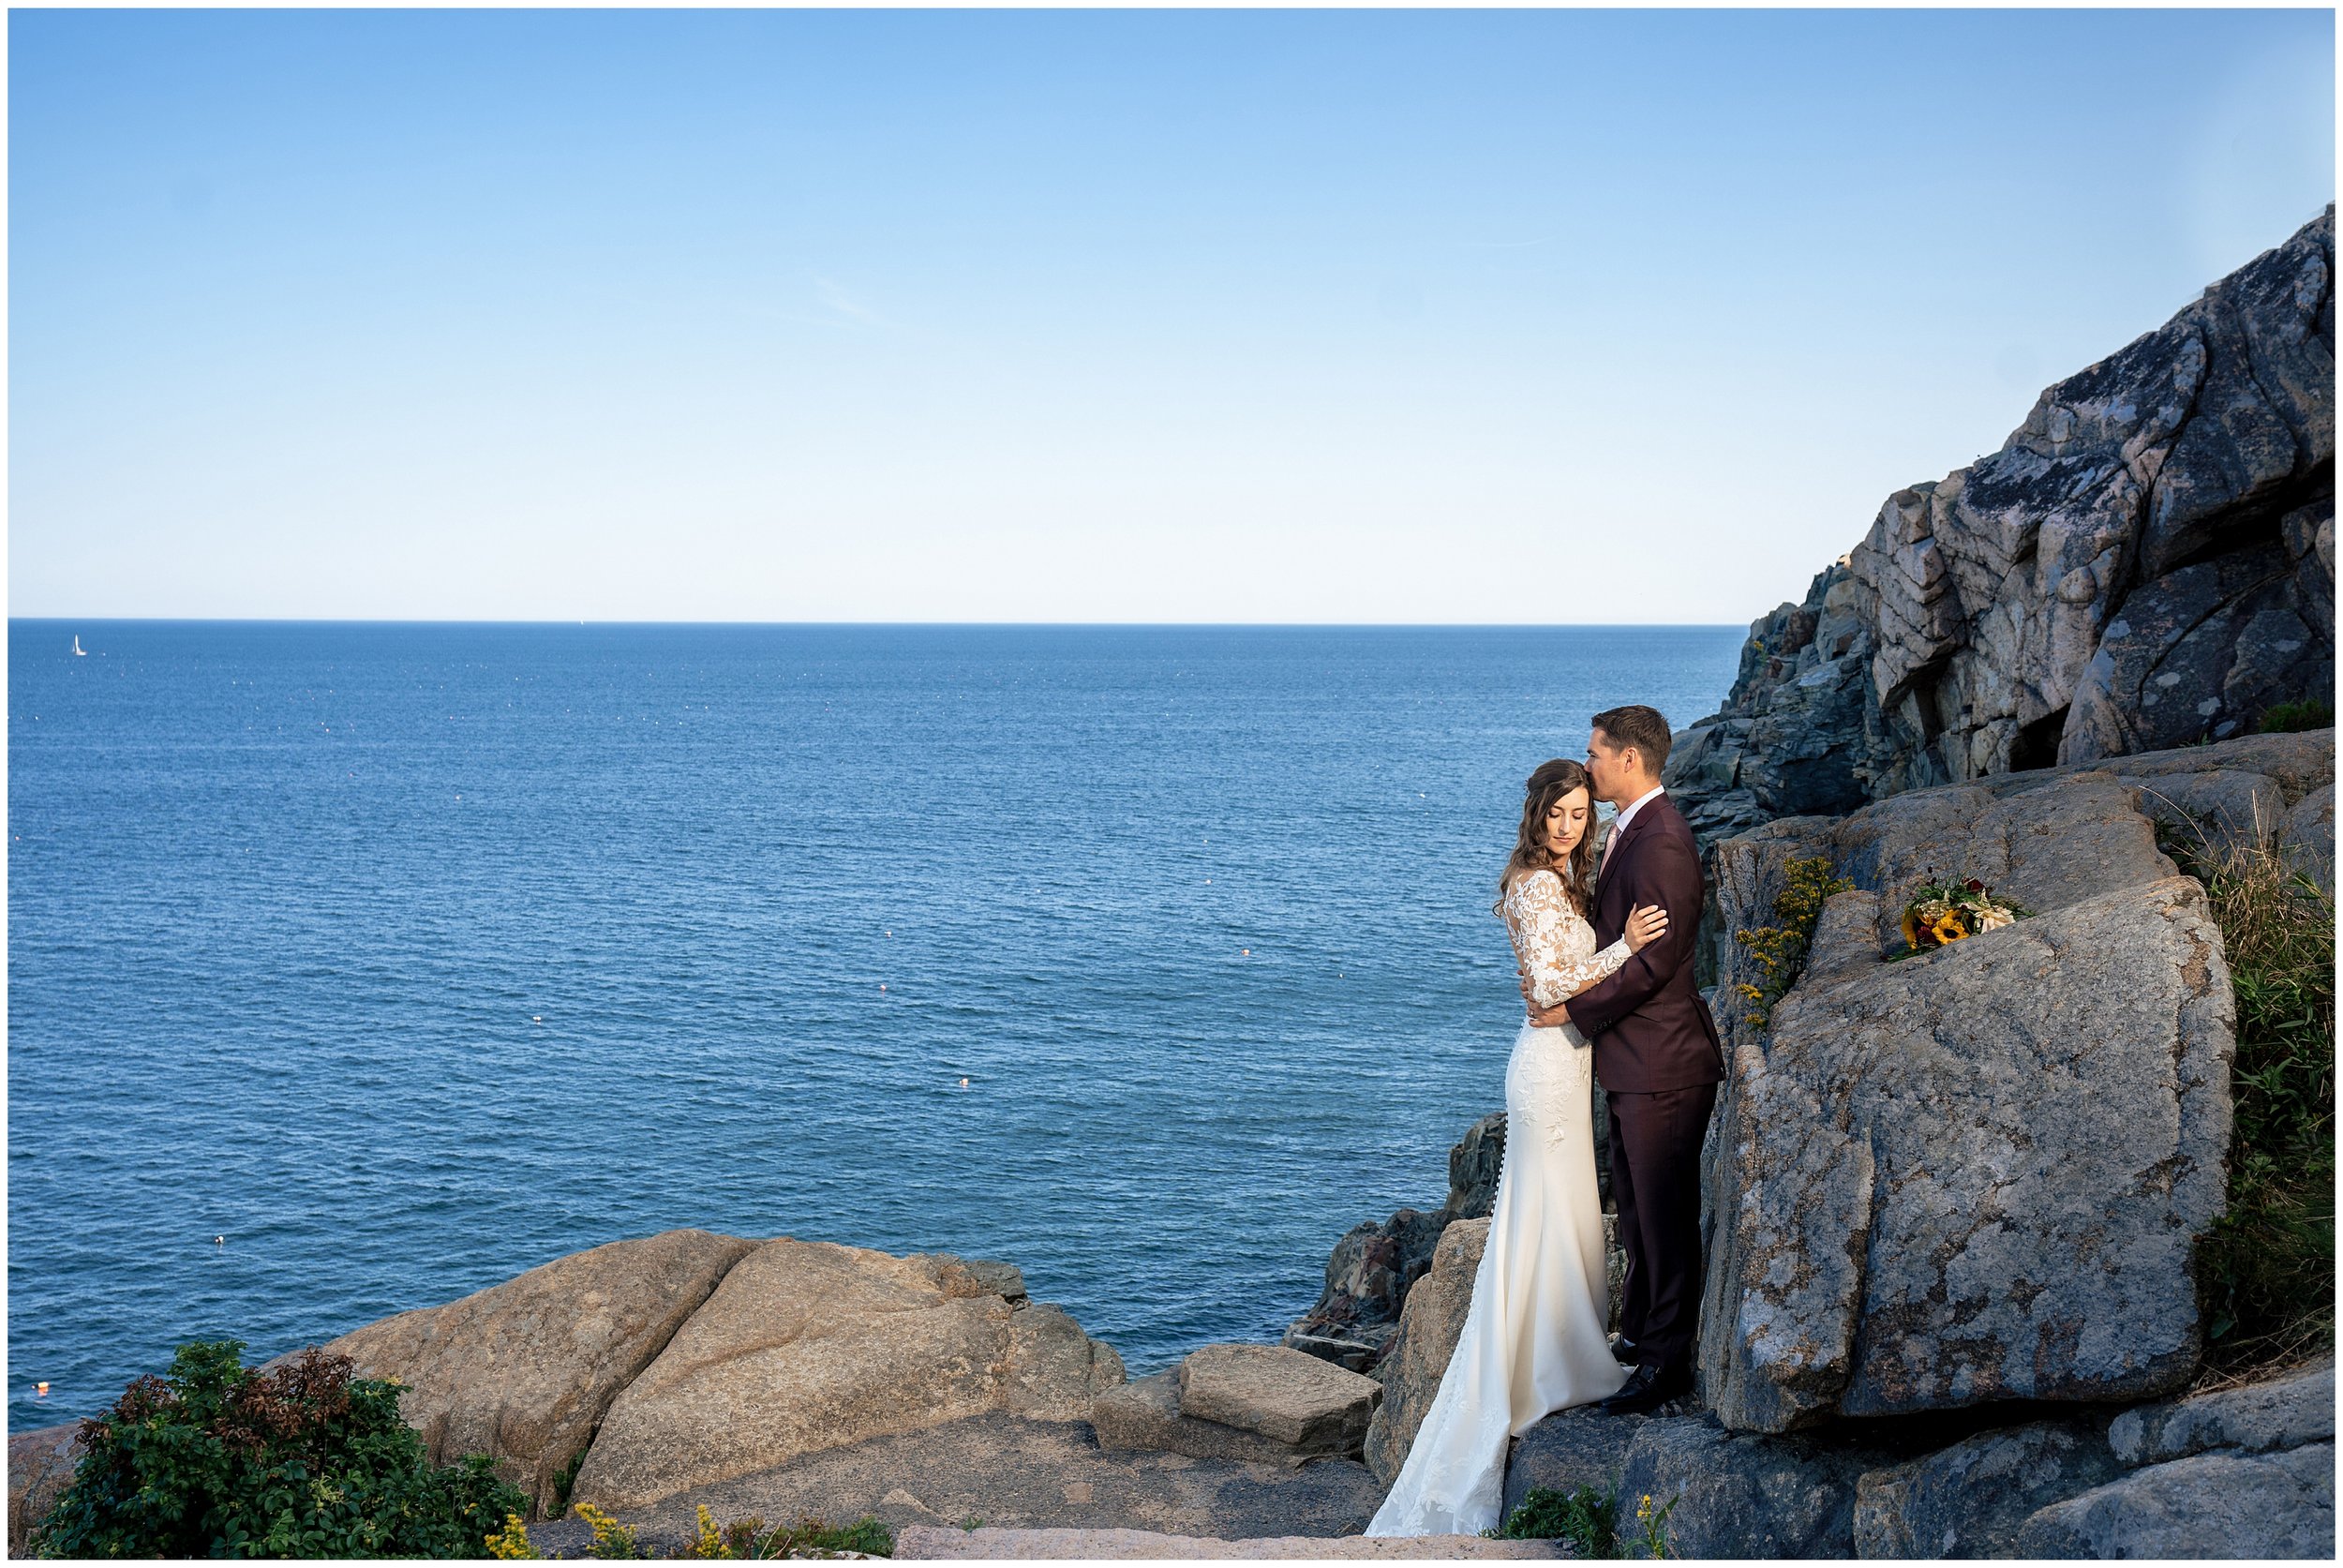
(1970, 1500)
(1007, 1471)
(1568, 1450)
(1143, 1416)
(928, 1543)
(2307, 837)
(2147, 560)
(1737, 1495)
(1289, 1397)
(1428, 1330)
(2207, 1505)
(40, 1467)
(1946, 1181)
(525, 1370)
(2281, 1413)
(808, 1346)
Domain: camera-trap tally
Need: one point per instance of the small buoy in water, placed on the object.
(40, 1391)
(882, 988)
(1245, 952)
(219, 1241)
(890, 934)
(536, 1018)
(963, 1082)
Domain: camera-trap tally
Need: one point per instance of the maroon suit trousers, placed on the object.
(1655, 1178)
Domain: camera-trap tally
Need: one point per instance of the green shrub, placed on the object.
(1779, 950)
(2289, 718)
(1583, 1518)
(2266, 1271)
(220, 1460)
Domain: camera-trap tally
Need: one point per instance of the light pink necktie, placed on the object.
(1609, 844)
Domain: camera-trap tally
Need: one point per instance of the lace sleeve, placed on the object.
(1543, 942)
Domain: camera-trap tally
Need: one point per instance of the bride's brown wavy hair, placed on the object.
(1550, 783)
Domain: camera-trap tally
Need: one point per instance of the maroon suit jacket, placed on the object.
(1646, 1022)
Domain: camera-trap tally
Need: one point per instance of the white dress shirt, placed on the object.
(1626, 814)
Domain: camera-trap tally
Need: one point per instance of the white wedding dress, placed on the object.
(1535, 1339)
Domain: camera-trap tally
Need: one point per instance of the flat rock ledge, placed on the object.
(1006, 1472)
(928, 1543)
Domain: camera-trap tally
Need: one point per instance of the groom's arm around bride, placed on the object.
(1656, 1052)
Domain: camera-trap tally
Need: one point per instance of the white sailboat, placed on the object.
(79, 651)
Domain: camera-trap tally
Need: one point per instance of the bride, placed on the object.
(1534, 1339)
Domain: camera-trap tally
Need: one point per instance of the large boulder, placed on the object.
(1428, 1330)
(808, 1346)
(1975, 1173)
(1956, 1179)
(1971, 1500)
(2208, 1505)
(2148, 561)
(524, 1371)
(1368, 1275)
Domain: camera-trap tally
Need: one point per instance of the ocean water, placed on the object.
(406, 957)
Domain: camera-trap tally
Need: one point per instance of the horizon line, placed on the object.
(1005, 625)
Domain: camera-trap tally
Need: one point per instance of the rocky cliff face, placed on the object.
(2147, 562)
(1973, 1175)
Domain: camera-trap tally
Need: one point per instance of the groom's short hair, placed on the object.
(1640, 727)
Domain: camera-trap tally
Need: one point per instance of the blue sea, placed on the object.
(404, 956)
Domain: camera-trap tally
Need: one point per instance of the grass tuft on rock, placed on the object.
(2292, 717)
(1583, 1518)
(2266, 1271)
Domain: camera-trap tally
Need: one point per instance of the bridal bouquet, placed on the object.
(1948, 911)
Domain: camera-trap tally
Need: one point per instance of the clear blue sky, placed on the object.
(1093, 316)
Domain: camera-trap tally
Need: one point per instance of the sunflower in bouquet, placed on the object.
(1943, 912)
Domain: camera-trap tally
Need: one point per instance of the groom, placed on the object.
(1656, 1052)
